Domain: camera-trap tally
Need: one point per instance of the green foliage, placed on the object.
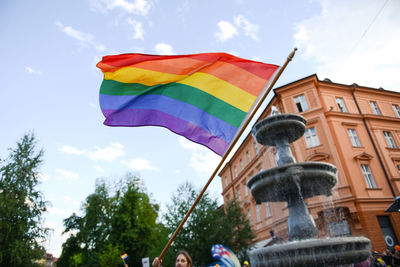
(110, 257)
(208, 224)
(115, 221)
(21, 205)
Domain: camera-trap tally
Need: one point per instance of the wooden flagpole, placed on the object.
(241, 130)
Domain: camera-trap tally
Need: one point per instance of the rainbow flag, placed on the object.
(203, 97)
(124, 256)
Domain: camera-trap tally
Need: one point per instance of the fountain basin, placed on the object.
(314, 252)
(315, 178)
(272, 129)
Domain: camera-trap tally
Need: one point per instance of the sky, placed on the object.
(50, 84)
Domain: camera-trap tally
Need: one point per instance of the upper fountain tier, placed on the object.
(279, 127)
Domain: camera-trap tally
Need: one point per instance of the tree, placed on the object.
(208, 224)
(21, 205)
(115, 221)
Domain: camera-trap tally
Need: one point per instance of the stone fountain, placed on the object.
(293, 182)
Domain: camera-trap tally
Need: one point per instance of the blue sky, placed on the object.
(50, 83)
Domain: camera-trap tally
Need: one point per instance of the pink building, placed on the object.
(355, 128)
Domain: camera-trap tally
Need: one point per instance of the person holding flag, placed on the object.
(183, 259)
(124, 257)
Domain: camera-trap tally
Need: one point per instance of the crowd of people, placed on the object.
(388, 258)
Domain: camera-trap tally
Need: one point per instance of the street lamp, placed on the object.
(395, 206)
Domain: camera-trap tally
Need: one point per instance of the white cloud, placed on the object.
(202, 160)
(98, 168)
(85, 39)
(164, 49)
(361, 47)
(33, 71)
(138, 7)
(250, 29)
(226, 31)
(68, 175)
(72, 150)
(139, 164)
(137, 27)
(109, 153)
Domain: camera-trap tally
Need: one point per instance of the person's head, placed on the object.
(245, 264)
(183, 259)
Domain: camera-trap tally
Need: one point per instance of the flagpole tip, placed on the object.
(291, 55)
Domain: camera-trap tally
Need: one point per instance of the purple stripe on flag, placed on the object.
(172, 107)
(146, 117)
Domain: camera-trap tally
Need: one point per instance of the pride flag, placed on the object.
(124, 256)
(203, 97)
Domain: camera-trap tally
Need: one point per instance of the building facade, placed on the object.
(355, 128)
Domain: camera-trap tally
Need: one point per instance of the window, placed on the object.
(246, 190)
(311, 137)
(369, 179)
(389, 139)
(239, 197)
(267, 209)
(258, 213)
(396, 110)
(241, 164)
(353, 138)
(301, 103)
(398, 167)
(249, 215)
(340, 103)
(255, 147)
(235, 170)
(248, 157)
(375, 108)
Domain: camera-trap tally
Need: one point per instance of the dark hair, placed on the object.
(186, 255)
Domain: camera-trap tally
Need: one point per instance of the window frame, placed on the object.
(258, 213)
(375, 108)
(267, 209)
(396, 110)
(301, 103)
(368, 176)
(342, 106)
(355, 141)
(389, 139)
(311, 140)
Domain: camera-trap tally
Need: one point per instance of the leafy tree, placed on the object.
(110, 257)
(208, 224)
(115, 221)
(21, 205)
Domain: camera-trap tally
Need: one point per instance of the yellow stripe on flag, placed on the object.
(221, 89)
(142, 76)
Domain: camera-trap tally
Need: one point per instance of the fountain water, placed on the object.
(293, 182)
